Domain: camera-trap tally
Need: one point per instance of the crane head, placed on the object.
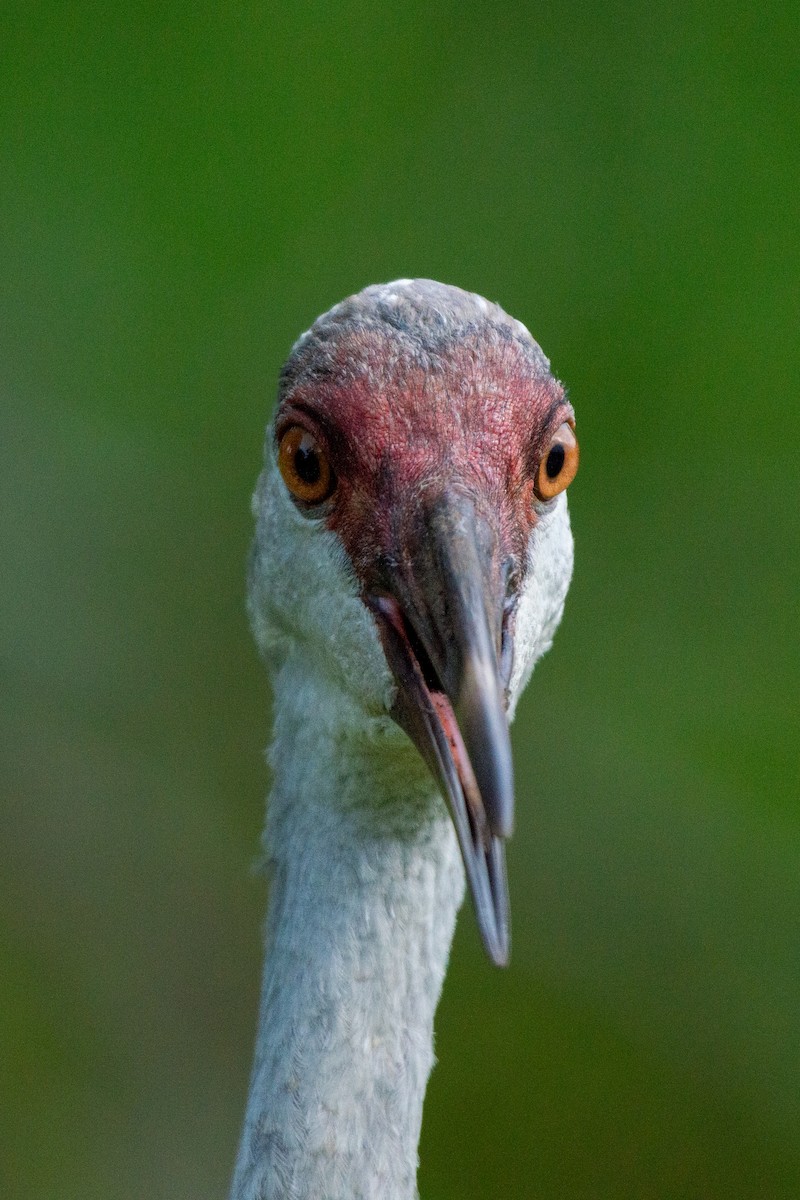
(416, 475)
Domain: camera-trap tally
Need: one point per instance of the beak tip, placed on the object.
(499, 949)
(502, 957)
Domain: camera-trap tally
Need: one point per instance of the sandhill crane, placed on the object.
(411, 560)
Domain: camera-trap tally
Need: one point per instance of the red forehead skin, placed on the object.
(400, 430)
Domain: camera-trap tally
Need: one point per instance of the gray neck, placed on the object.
(366, 884)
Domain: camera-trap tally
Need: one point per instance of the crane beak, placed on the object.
(441, 622)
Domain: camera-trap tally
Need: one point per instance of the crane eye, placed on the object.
(304, 466)
(558, 465)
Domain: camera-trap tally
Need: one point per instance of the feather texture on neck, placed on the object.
(366, 883)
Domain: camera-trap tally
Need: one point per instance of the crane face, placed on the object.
(413, 545)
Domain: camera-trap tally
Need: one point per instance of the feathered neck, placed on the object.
(366, 884)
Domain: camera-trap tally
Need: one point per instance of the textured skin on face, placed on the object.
(415, 387)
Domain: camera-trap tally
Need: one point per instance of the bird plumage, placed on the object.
(434, 408)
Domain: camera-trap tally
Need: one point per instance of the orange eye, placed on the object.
(304, 466)
(559, 464)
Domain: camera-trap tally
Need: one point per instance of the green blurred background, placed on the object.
(182, 190)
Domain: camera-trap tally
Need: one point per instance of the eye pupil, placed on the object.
(558, 464)
(555, 461)
(307, 465)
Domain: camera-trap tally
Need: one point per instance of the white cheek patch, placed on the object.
(305, 601)
(544, 590)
